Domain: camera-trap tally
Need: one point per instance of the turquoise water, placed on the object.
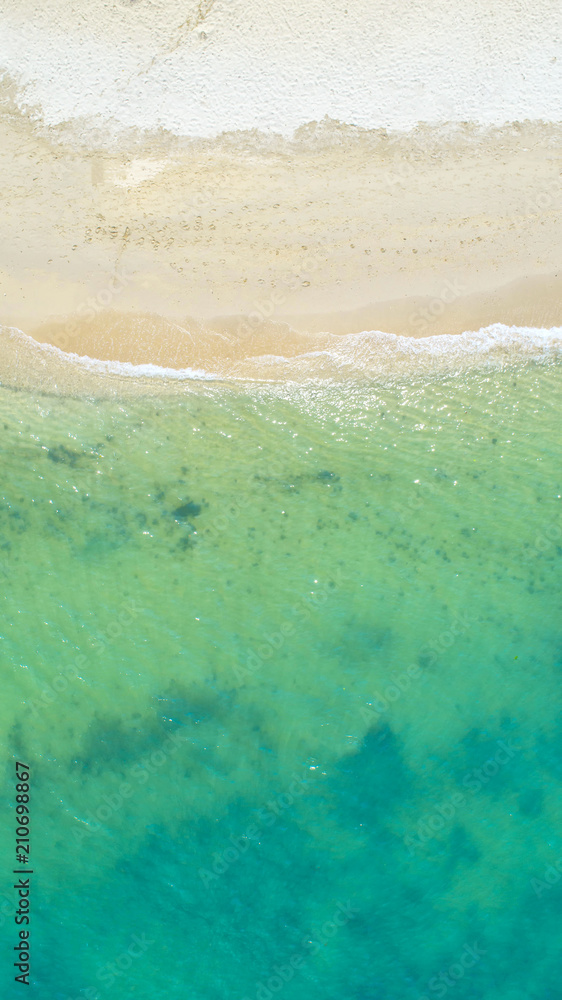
(285, 665)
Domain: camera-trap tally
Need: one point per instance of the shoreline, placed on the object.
(353, 361)
(144, 339)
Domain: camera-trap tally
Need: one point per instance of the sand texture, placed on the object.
(337, 230)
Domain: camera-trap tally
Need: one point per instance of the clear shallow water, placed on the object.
(286, 667)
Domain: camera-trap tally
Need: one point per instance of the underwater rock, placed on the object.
(187, 510)
(64, 455)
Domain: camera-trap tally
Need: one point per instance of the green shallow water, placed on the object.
(286, 668)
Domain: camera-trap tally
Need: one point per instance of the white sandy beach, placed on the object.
(260, 217)
(340, 230)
